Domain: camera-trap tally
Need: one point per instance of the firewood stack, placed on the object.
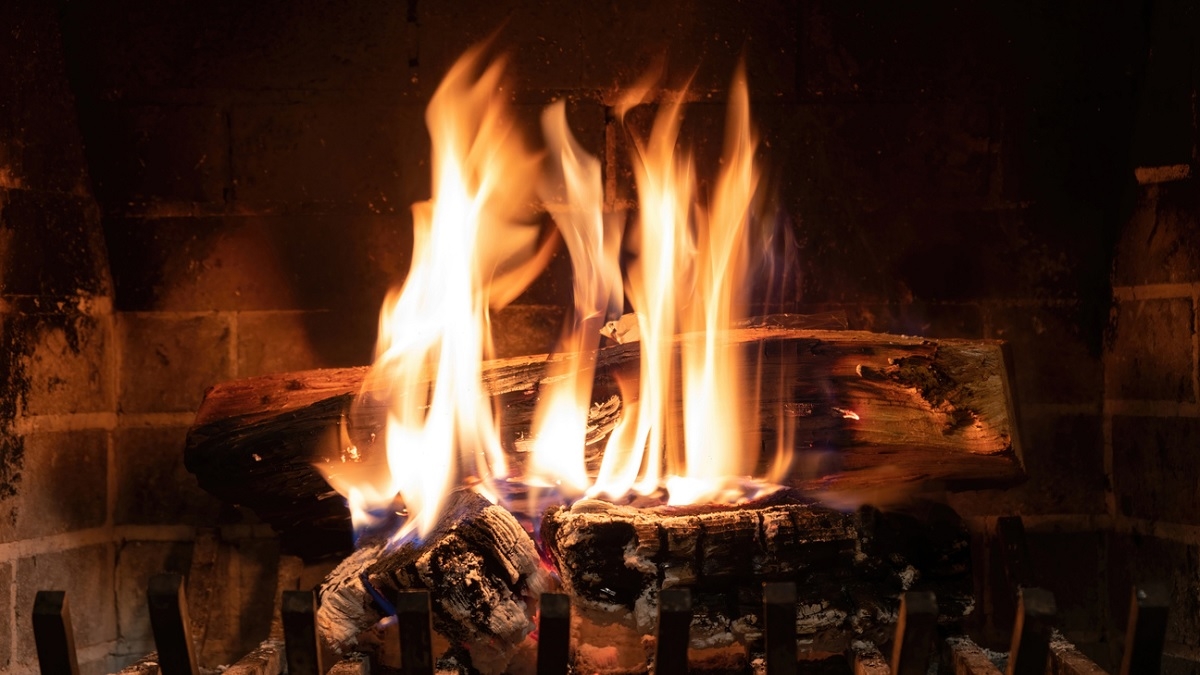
(923, 412)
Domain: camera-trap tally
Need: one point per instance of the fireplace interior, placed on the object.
(198, 191)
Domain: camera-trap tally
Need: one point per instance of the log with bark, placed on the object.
(850, 568)
(480, 567)
(877, 409)
(483, 574)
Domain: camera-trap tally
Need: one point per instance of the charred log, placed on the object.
(850, 568)
(865, 409)
(479, 565)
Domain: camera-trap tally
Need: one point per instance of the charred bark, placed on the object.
(866, 410)
(479, 565)
(850, 568)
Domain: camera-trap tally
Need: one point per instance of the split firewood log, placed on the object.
(850, 568)
(480, 567)
(875, 409)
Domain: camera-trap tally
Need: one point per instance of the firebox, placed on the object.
(193, 193)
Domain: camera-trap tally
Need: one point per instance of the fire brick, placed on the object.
(1078, 588)
(168, 361)
(67, 366)
(1138, 559)
(1154, 463)
(52, 245)
(42, 147)
(163, 154)
(1151, 353)
(1161, 242)
(1064, 458)
(136, 563)
(153, 487)
(1053, 360)
(319, 156)
(86, 574)
(6, 580)
(278, 342)
(63, 486)
(259, 262)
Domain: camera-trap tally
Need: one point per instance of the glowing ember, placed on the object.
(686, 280)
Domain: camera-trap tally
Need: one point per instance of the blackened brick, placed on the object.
(1154, 467)
(86, 574)
(67, 363)
(876, 50)
(1071, 565)
(167, 361)
(1064, 459)
(1135, 559)
(63, 486)
(369, 159)
(1151, 352)
(935, 320)
(41, 147)
(6, 630)
(277, 342)
(866, 155)
(51, 245)
(1053, 358)
(153, 487)
(259, 263)
(1161, 242)
(1178, 665)
(136, 562)
(1166, 124)
(163, 153)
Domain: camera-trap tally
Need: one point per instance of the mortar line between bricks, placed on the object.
(1061, 409)
(1110, 487)
(154, 533)
(29, 424)
(100, 650)
(1155, 291)
(1182, 533)
(55, 543)
(1181, 651)
(1132, 408)
(234, 350)
(151, 420)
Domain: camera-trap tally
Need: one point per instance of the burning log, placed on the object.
(480, 567)
(875, 409)
(850, 569)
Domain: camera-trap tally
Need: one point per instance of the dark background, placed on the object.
(195, 191)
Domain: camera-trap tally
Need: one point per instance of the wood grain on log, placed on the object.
(480, 567)
(850, 568)
(879, 410)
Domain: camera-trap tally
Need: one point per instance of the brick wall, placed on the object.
(93, 495)
(233, 195)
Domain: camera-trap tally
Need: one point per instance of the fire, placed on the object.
(686, 281)
(472, 251)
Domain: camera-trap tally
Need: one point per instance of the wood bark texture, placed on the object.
(479, 565)
(865, 410)
(850, 568)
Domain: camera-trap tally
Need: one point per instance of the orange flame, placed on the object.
(473, 250)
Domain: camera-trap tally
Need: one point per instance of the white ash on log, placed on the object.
(850, 569)
(482, 571)
(880, 410)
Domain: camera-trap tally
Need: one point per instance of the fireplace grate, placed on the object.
(917, 648)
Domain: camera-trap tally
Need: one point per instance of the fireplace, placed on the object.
(201, 191)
